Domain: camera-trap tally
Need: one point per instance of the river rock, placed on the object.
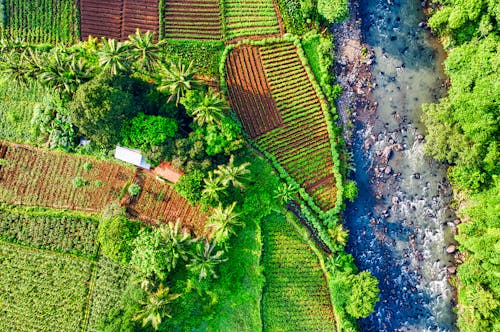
(388, 170)
(451, 269)
(457, 221)
(395, 200)
(416, 176)
(451, 249)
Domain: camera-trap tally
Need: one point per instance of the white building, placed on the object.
(131, 156)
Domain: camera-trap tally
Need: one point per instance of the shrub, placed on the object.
(79, 182)
(114, 235)
(189, 186)
(334, 11)
(134, 189)
(350, 191)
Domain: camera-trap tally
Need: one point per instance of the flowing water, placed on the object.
(400, 226)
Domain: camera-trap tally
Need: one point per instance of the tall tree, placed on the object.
(176, 79)
(222, 222)
(114, 56)
(233, 174)
(205, 260)
(212, 188)
(176, 243)
(210, 109)
(155, 308)
(144, 51)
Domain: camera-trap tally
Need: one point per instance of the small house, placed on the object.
(131, 156)
(166, 171)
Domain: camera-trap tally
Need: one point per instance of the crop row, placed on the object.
(49, 230)
(250, 94)
(250, 17)
(40, 178)
(41, 21)
(302, 145)
(296, 296)
(42, 291)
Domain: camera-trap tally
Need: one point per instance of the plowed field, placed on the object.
(193, 19)
(117, 18)
(249, 92)
(159, 202)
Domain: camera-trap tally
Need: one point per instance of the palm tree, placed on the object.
(114, 56)
(176, 243)
(210, 109)
(222, 221)
(286, 192)
(176, 79)
(144, 50)
(154, 309)
(205, 260)
(233, 174)
(212, 189)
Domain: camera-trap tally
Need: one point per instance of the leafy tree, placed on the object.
(156, 306)
(115, 235)
(204, 260)
(222, 222)
(364, 295)
(114, 56)
(176, 79)
(334, 11)
(145, 131)
(189, 185)
(224, 137)
(99, 109)
(231, 174)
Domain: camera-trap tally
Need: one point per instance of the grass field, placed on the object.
(296, 295)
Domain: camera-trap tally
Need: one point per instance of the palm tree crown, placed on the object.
(222, 222)
(114, 56)
(233, 174)
(210, 109)
(145, 52)
(176, 79)
(205, 260)
(154, 309)
(176, 243)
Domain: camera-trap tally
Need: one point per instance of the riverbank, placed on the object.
(401, 226)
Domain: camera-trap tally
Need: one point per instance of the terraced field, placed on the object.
(246, 18)
(280, 109)
(296, 295)
(117, 18)
(192, 19)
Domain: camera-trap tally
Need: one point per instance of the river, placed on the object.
(401, 225)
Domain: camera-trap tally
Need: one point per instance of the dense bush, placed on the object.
(115, 235)
(334, 11)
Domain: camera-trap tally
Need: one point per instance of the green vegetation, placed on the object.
(238, 23)
(334, 11)
(40, 21)
(463, 131)
(296, 295)
(61, 284)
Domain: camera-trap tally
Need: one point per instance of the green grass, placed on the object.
(296, 296)
(310, 47)
(42, 290)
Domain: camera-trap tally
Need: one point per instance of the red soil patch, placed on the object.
(249, 92)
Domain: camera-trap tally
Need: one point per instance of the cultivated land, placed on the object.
(296, 295)
(34, 177)
(276, 102)
(193, 19)
(117, 19)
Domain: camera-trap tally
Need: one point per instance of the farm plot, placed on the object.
(117, 18)
(249, 92)
(296, 295)
(40, 178)
(159, 202)
(40, 21)
(109, 285)
(49, 230)
(192, 19)
(302, 145)
(41, 290)
(244, 18)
